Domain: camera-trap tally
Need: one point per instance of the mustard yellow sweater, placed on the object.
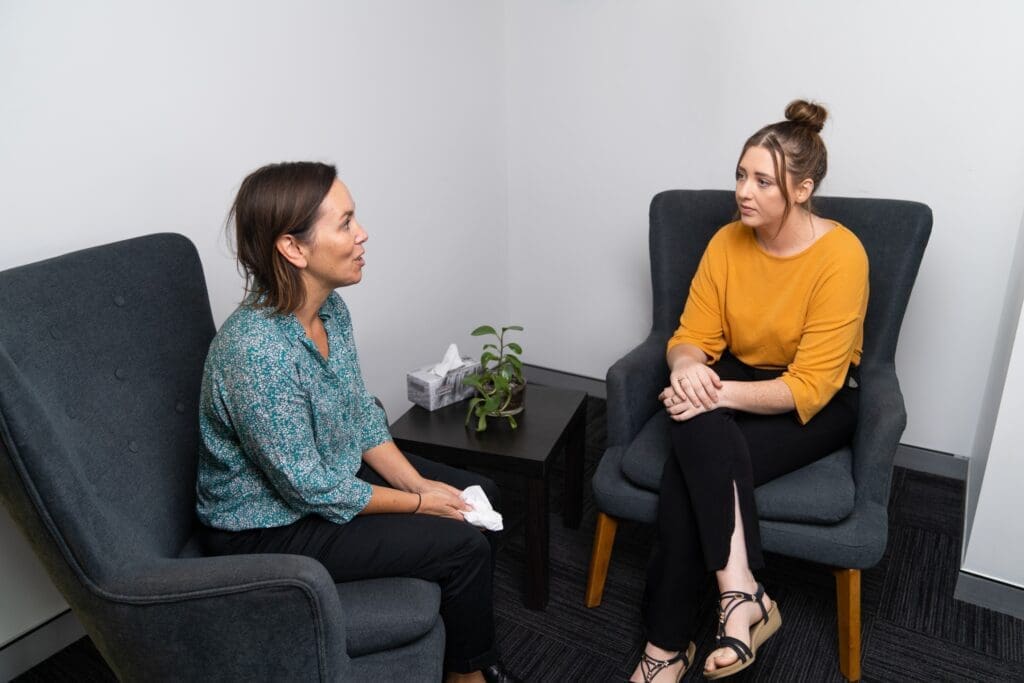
(804, 313)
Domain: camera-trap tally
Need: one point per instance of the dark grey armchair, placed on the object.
(833, 511)
(101, 356)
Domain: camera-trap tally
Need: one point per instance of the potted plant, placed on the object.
(499, 383)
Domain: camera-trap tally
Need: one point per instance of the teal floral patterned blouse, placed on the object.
(283, 430)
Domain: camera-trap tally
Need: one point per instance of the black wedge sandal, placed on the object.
(761, 631)
(651, 667)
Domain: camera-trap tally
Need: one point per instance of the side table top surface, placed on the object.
(542, 426)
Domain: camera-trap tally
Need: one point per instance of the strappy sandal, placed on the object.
(651, 667)
(770, 622)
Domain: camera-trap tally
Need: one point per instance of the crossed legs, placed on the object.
(706, 522)
(707, 518)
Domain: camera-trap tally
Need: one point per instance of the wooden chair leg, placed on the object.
(848, 608)
(604, 539)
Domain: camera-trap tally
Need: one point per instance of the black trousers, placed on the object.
(696, 506)
(456, 555)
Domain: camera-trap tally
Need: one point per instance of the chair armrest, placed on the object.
(170, 579)
(881, 421)
(633, 384)
(268, 617)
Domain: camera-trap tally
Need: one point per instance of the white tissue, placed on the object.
(482, 513)
(451, 360)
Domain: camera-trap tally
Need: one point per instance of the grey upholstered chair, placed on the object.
(834, 511)
(101, 355)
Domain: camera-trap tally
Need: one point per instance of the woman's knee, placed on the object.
(468, 559)
(477, 546)
(710, 420)
(464, 541)
(714, 429)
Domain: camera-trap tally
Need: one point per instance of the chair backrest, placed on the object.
(894, 234)
(101, 358)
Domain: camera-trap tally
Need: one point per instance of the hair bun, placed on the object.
(809, 114)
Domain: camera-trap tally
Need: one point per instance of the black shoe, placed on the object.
(497, 673)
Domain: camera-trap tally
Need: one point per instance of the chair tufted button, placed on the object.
(121, 374)
(71, 412)
(55, 332)
(133, 446)
(119, 300)
(179, 407)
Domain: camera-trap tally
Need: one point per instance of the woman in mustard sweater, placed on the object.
(762, 382)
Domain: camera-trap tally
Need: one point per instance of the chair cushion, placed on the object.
(820, 493)
(382, 614)
(646, 454)
(857, 542)
(617, 496)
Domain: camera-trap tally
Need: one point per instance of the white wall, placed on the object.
(991, 514)
(994, 526)
(611, 102)
(27, 597)
(119, 119)
(1003, 399)
(124, 118)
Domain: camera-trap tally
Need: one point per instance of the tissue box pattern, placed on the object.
(432, 392)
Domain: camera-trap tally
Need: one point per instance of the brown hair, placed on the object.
(796, 147)
(277, 199)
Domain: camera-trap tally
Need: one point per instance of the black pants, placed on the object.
(456, 555)
(696, 506)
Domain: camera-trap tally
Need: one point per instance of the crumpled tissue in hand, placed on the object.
(482, 513)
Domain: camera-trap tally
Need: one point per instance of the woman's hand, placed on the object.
(679, 408)
(695, 382)
(433, 485)
(441, 502)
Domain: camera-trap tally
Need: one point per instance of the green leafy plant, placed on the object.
(499, 383)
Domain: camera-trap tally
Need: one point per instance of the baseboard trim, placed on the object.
(932, 462)
(910, 457)
(24, 652)
(990, 594)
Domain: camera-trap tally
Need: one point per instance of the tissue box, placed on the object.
(432, 392)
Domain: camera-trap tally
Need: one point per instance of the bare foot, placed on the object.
(738, 625)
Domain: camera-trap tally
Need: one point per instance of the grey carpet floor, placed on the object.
(913, 629)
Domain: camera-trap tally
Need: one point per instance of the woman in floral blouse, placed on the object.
(295, 455)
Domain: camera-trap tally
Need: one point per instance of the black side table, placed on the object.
(554, 419)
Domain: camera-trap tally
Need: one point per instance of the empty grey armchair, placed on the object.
(833, 511)
(101, 357)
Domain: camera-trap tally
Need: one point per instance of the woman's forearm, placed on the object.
(391, 464)
(766, 397)
(384, 499)
(411, 492)
(684, 352)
